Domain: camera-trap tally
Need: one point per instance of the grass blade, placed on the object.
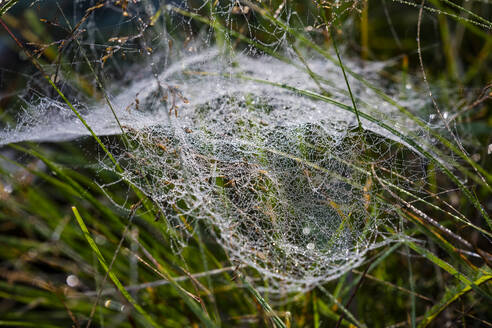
(111, 275)
(451, 295)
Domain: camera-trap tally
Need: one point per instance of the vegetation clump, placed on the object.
(246, 163)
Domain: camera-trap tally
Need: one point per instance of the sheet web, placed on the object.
(287, 184)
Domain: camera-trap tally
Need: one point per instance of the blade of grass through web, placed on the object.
(138, 192)
(308, 69)
(50, 81)
(216, 25)
(111, 275)
(72, 108)
(299, 36)
(380, 93)
(346, 81)
(93, 71)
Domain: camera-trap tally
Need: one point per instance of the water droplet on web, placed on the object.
(310, 246)
(73, 280)
(110, 304)
(8, 188)
(100, 240)
(408, 86)
(306, 231)
(489, 149)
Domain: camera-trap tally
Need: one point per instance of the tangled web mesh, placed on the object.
(287, 184)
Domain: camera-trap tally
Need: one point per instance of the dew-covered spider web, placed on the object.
(286, 181)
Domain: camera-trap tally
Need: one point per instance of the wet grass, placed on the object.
(71, 257)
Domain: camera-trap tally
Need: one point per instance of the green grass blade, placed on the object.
(412, 288)
(111, 275)
(264, 304)
(449, 268)
(451, 295)
(347, 313)
(345, 78)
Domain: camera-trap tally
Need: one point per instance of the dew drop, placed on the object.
(310, 246)
(8, 187)
(306, 231)
(73, 280)
(110, 304)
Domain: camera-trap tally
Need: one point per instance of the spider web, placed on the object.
(285, 183)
